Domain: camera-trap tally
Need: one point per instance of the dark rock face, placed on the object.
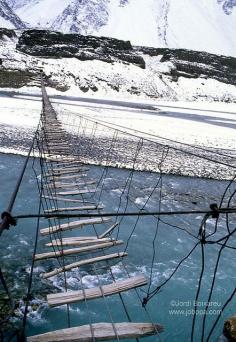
(43, 43)
(8, 14)
(6, 32)
(193, 64)
(187, 63)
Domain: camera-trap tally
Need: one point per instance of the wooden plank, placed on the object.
(53, 174)
(58, 149)
(70, 177)
(74, 241)
(58, 185)
(57, 154)
(55, 198)
(83, 263)
(82, 238)
(61, 298)
(65, 163)
(61, 159)
(76, 192)
(108, 231)
(85, 207)
(51, 139)
(74, 224)
(71, 251)
(58, 145)
(101, 332)
(51, 135)
(76, 168)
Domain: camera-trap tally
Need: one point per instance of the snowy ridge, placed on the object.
(203, 25)
(108, 67)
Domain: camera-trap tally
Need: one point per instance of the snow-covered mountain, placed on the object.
(205, 25)
(228, 5)
(8, 17)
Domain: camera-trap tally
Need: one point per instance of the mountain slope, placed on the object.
(82, 16)
(199, 25)
(205, 25)
(8, 18)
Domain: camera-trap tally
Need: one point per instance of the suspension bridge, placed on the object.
(71, 201)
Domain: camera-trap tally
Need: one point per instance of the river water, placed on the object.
(172, 306)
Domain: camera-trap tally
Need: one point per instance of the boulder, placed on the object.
(230, 329)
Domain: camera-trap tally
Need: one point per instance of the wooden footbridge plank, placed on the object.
(65, 168)
(72, 251)
(60, 159)
(83, 263)
(76, 176)
(65, 172)
(57, 299)
(74, 224)
(58, 185)
(84, 207)
(56, 198)
(74, 241)
(76, 192)
(101, 332)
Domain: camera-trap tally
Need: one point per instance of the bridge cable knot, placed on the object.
(10, 220)
(214, 210)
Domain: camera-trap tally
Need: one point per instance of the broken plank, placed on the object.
(83, 263)
(100, 332)
(74, 224)
(61, 298)
(72, 251)
(108, 231)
